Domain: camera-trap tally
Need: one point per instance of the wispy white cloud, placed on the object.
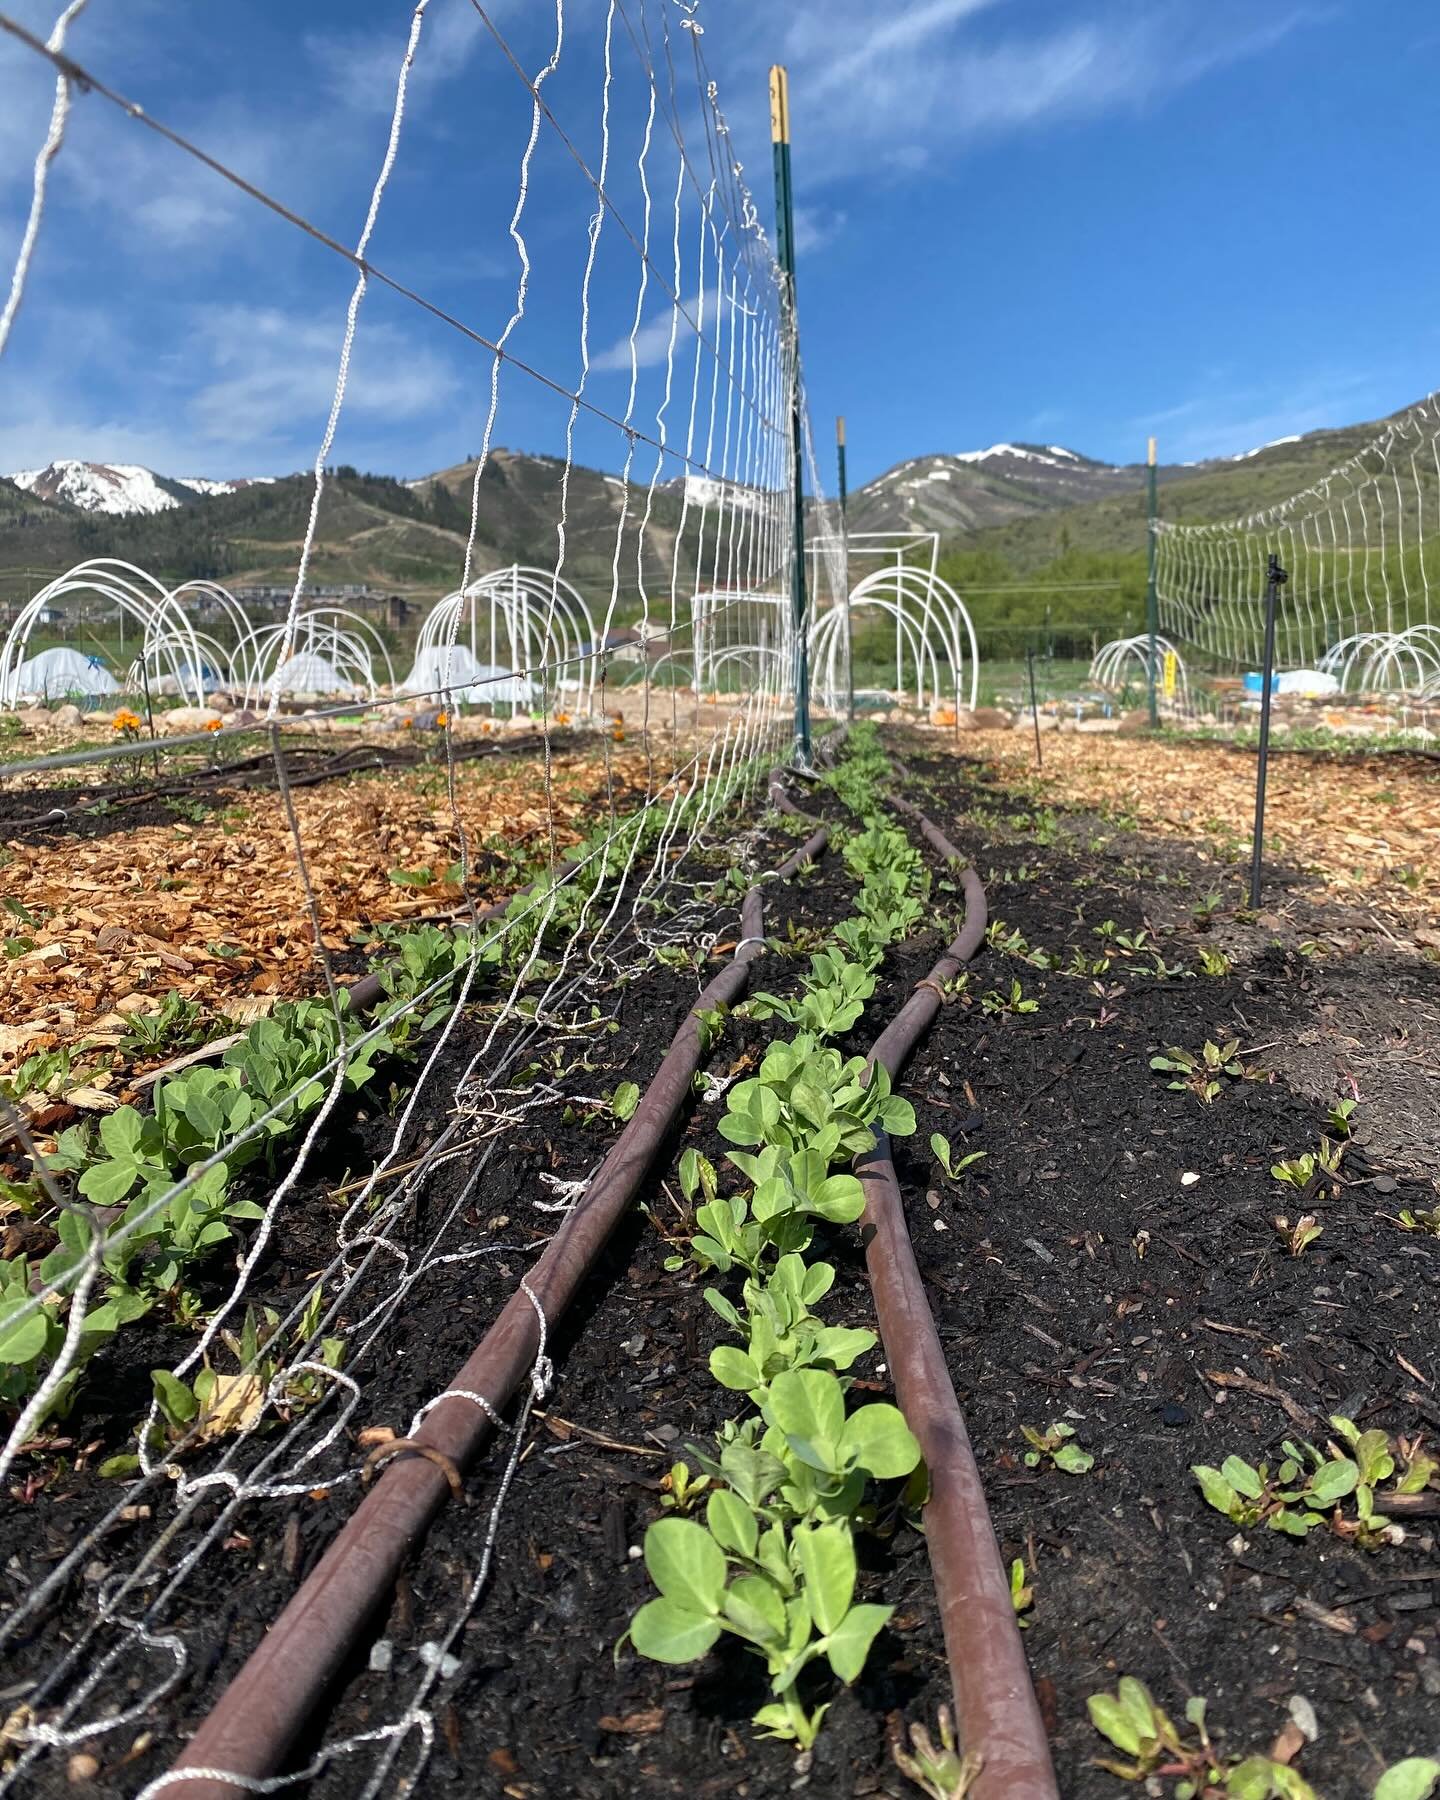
(896, 87)
(241, 389)
(816, 226)
(360, 69)
(652, 340)
(274, 372)
(1226, 419)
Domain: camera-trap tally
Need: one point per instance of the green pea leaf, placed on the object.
(732, 1523)
(121, 1131)
(897, 1117)
(1242, 1477)
(808, 1405)
(826, 1556)
(624, 1100)
(756, 1610)
(22, 1339)
(840, 1200)
(1414, 1779)
(107, 1183)
(847, 1647)
(839, 1345)
(879, 1441)
(817, 1282)
(732, 1368)
(669, 1632)
(686, 1564)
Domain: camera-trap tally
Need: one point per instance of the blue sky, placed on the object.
(1020, 219)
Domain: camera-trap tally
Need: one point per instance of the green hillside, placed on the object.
(374, 531)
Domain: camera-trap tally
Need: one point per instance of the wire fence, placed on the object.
(170, 1205)
(1361, 547)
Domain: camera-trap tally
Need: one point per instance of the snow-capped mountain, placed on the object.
(120, 488)
(968, 489)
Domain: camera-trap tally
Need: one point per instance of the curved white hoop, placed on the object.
(933, 630)
(530, 621)
(154, 608)
(1107, 669)
(333, 637)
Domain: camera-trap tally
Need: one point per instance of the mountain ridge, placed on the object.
(1027, 503)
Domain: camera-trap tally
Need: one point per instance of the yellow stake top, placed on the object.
(1150, 458)
(779, 106)
(840, 429)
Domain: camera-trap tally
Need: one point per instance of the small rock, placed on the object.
(634, 1553)
(82, 1766)
(1384, 1184)
(382, 1655)
(1173, 1414)
(1189, 1178)
(187, 718)
(434, 1657)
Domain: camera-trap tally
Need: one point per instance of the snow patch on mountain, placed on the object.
(119, 488)
(200, 484)
(1274, 444)
(97, 487)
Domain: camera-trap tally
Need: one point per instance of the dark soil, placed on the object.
(1074, 1275)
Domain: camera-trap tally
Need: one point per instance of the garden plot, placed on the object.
(209, 907)
(1104, 1261)
(1180, 1265)
(1365, 826)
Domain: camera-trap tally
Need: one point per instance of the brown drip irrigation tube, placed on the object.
(251, 1729)
(995, 1707)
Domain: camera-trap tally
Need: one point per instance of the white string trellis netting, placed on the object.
(1361, 548)
(620, 139)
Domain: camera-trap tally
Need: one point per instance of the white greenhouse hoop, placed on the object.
(138, 596)
(328, 641)
(933, 631)
(529, 624)
(1108, 668)
(1405, 661)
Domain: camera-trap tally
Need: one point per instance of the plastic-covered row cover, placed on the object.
(56, 674)
(456, 671)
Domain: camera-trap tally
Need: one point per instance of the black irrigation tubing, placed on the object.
(249, 1733)
(996, 1710)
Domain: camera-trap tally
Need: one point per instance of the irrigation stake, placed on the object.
(1275, 578)
(149, 716)
(1034, 706)
(785, 256)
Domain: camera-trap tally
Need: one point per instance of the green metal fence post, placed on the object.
(785, 248)
(1152, 598)
(845, 562)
